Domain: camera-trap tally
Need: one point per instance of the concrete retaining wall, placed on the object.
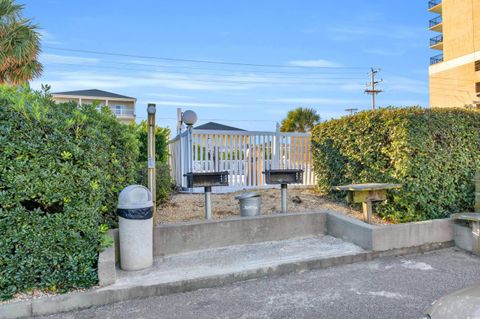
(350, 229)
(177, 238)
(386, 237)
(183, 237)
(412, 234)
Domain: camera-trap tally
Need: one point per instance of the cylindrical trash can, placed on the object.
(135, 219)
(250, 204)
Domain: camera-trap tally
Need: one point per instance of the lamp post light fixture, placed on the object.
(151, 109)
(189, 118)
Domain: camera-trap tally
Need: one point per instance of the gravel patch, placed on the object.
(188, 207)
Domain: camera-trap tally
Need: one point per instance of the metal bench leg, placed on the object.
(284, 198)
(208, 202)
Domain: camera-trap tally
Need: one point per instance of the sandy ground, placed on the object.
(188, 207)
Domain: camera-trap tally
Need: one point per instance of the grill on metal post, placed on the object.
(207, 180)
(284, 177)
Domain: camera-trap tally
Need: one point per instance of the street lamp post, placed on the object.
(189, 118)
(151, 109)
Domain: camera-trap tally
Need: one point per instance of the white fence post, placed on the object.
(277, 148)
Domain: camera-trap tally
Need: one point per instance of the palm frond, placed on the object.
(9, 10)
(19, 45)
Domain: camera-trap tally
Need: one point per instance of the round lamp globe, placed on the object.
(189, 117)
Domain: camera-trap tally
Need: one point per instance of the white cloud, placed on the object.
(192, 104)
(317, 101)
(68, 59)
(48, 38)
(404, 84)
(82, 80)
(169, 96)
(63, 80)
(351, 32)
(384, 52)
(314, 63)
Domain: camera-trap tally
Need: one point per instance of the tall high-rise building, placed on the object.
(455, 72)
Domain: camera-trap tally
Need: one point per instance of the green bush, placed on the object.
(161, 142)
(61, 167)
(164, 182)
(432, 153)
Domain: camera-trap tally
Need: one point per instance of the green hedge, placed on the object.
(161, 142)
(164, 181)
(432, 153)
(61, 167)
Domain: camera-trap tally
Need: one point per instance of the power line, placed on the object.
(194, 73)
(200, 61)
(243, 70)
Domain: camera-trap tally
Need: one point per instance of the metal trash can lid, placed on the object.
(247, 195)
(135, 197)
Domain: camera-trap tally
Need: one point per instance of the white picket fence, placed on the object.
(244, 154)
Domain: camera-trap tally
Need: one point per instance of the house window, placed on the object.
(477, 65)
(119, 109)
(477, 87)
(122, 110)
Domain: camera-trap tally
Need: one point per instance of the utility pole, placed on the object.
(351, 110)
(371, 86)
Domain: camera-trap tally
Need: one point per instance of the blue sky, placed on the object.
(322, 52)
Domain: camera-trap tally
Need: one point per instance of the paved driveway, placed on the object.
(400, 287)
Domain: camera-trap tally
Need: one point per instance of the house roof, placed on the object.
(217, 127)
(94, 93)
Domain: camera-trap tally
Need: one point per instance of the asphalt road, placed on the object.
(394, 287)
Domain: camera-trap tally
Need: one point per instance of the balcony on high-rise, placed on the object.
(435, 6)
(436, 59)
(436, 43)
(436, 24)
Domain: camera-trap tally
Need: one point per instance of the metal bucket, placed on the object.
(250, 204)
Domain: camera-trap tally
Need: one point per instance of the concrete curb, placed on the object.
(105, 295)
(388, 237)
(107, 273)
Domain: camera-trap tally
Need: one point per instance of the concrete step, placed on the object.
(260, 258)
(209, 268)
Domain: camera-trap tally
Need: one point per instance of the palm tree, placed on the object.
(19, 45)
(300, 120)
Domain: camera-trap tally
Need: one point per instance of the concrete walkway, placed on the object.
(235, 259)
(391, 287)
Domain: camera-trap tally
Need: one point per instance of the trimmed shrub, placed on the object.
(161, 142)
(432, 153)
(164, 180)
(61, 167)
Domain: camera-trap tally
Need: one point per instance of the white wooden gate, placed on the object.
(244, 154)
